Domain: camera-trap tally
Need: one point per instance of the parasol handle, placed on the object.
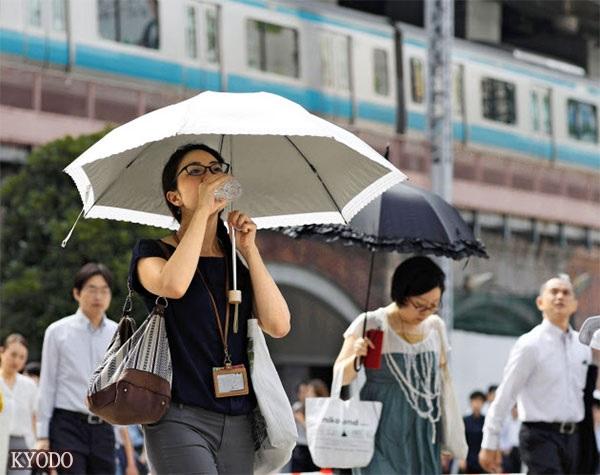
(358, 361)
(66, 239)
(235, 295)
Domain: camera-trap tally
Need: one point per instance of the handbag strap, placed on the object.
(128, 305)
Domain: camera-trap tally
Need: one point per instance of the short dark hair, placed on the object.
(33, 368)
(88, 271)
(492, 388)
(477, 395)
(416, 276)
(169, 174)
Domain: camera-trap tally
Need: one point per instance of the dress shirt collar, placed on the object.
(555, 330)
(85, 322)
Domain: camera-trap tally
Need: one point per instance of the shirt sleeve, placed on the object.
(356, 327)
(48, 382)
(436, 323)
(521, 363)
(143, 248)
(33, 397)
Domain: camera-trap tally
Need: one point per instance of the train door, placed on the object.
(540, 107)
(45, 31)
(203, 40)
(335, 75)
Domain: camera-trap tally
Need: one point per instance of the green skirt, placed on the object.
(403, 443)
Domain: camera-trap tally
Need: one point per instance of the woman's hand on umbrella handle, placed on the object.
(361, 346)
(206, 193)
(246, 228)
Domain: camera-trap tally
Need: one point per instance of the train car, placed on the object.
(504, 103)
(334, 61)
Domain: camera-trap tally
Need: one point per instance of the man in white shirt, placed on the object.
(73, 347)
(546, 375)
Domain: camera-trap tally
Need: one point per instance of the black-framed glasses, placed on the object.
(197, 169)
(419, 307)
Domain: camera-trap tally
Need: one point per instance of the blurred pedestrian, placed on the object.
(208, 427)
(126, 459)
(5, 411)
(301, 458)
(546, 374)
(596, 416)
(474, 432)
(73, 347)
(32, 370)
(509, 443)
(20, 394)
(408, 380)
(137, 441)
(489, 398)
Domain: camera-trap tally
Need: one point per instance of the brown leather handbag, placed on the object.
(132, 385)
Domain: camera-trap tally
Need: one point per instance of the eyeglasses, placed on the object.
(419, 307)
(91, 289)
(197, 169)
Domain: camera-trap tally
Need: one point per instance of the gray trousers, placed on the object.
(192, 440)
(17, 443)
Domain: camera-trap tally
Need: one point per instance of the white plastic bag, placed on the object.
(275, 431)
(341, 434)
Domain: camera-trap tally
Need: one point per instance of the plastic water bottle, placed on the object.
(230, 190)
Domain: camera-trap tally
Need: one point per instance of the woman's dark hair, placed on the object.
(169, 181)
(416, 276)
(90, 270)
(15, 338)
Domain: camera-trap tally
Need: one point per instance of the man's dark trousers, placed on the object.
(91, 442)
(545, 449)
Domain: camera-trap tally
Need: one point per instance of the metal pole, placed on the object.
(439, 24)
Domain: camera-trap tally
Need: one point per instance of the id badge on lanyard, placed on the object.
(230, 381)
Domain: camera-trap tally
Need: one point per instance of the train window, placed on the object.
(583, 121)
(498, 98)
(380, 74)
(191, 45)
(134, 22)
(273, 48)
(335, 67)
(212, 34)
(58, 15)
(202, 18)
(34, 13)
(417, 80)
(540, 111)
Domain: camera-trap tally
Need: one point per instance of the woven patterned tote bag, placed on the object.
(132, 385)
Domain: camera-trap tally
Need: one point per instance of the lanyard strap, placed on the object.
(223, 334)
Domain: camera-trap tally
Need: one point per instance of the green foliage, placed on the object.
(40, 204)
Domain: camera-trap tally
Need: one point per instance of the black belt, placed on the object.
(560, 427)
(89, 418)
